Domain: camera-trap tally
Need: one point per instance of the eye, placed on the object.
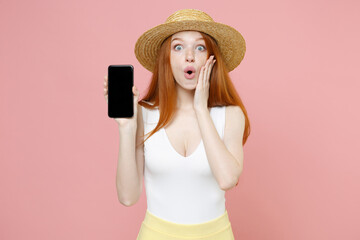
(202, 47)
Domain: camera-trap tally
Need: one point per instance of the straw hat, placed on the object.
(230, 41)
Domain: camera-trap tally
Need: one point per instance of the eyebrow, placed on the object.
(182, 39)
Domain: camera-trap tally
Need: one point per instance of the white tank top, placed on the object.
(180, 189)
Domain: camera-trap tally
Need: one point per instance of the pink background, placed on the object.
(298, 81)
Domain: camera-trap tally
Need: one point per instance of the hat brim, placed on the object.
(230, 42)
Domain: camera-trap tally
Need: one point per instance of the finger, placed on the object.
(212, 64)
(206, 69)
(208, 62)
(206, 77)
(136, 91)
(212, 60)
(210, 70)
(210, 67)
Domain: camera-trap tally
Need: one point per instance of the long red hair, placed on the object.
(162, 88)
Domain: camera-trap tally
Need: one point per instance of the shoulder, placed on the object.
(234, 116)
(234, 111)
(234, 130)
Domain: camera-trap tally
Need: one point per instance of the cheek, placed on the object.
(175, 64)
(204, 60)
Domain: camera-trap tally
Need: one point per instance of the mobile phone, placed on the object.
(120, 95)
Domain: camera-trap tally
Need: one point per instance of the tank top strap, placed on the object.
(150, 118)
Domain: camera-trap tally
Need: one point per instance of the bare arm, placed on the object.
(225, 157)
(130, 169)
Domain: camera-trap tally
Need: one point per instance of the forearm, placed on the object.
(127, 179)
(222, 163)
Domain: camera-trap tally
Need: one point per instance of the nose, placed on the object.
(189, 56)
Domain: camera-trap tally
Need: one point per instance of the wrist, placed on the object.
(127, 127)
(201, 110)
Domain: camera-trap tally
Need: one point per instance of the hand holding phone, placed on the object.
(120, 95)
(124, 103)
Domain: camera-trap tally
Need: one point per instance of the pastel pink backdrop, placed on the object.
(58, 148)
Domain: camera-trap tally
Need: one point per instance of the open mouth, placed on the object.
(189, 74)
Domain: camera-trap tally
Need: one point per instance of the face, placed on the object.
(187, 49)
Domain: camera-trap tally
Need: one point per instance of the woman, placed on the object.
(188, 166)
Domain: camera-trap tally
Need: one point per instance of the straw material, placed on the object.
(230, 41)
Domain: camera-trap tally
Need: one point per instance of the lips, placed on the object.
(189, 72)
(189, 68)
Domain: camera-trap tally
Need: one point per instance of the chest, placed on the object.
(183, 133)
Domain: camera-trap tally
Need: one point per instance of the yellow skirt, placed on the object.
(155, 228)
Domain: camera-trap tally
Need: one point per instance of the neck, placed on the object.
(185, 98)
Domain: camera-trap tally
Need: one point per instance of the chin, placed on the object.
(188, 86)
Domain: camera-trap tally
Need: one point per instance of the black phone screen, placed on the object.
(120, 95)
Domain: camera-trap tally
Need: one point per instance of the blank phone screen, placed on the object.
(120, 95)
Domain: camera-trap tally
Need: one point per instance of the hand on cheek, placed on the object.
(202, 88)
